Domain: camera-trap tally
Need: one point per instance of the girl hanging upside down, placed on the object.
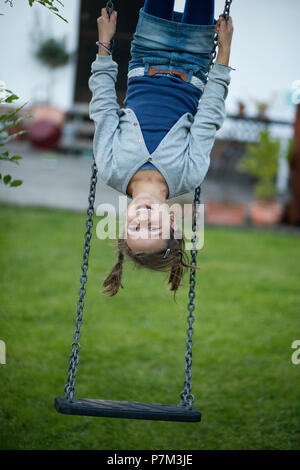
(158, 146)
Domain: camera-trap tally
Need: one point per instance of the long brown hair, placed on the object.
(176, 262)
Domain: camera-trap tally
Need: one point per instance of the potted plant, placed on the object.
(262, 108)
(225, 212)
(45, 128)
(49, 50)
(261, 161)
(52, 53)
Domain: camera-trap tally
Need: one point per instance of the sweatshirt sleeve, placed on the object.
(210, 116)
(103, 107)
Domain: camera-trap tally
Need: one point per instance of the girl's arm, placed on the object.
(103, 108)
(211, 110)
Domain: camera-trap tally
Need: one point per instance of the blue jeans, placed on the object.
(195, 11)
(170, 44)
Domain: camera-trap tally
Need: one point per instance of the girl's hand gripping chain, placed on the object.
(224, 29)
(106, 29)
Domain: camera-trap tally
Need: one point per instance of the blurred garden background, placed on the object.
(132, 346)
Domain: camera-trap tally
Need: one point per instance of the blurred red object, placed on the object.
(225, 214)
(44, 134)
(45, 126)
(48, 113)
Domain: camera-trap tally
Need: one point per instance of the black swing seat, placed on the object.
(126, 409)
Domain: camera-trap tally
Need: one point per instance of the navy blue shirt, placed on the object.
(158, 102)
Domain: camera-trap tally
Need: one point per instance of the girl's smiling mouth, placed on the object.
(143, 206)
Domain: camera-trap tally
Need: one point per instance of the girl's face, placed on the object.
(148, 223)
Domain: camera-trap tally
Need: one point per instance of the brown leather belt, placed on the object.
(182, 75)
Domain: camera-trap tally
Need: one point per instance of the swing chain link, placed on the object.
(75, 346)
(110, 8)
(186, 396)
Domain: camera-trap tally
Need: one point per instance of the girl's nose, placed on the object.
(143, 213)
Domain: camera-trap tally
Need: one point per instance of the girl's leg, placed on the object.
(199, 12)
(160, 8)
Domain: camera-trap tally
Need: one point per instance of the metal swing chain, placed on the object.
(75, 346)
(109, 7)
(186, 396)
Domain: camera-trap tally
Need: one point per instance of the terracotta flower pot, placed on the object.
(44, 135)
(225, 214)
(265, 213)
(49, 113)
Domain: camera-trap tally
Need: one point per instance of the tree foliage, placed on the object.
(8, 124)
(50, 4)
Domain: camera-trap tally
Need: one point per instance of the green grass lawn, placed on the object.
(133, 345)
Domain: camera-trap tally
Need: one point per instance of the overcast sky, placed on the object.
(265, 52)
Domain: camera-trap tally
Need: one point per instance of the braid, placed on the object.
(175, 276)
(113, 280)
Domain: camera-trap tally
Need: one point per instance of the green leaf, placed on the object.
(11, 137)
(7, 179)
(4, 157)
(16, 183)
(13, 123)
(62, 18)
(9, 115)
(15, 159)
(11, 98)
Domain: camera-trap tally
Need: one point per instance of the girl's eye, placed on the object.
(135, 228)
